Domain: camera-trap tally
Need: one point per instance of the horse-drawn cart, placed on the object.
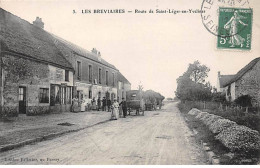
(135, 102)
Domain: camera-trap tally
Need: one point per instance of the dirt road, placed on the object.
(159, 137)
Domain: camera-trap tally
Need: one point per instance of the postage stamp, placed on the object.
(234, 28)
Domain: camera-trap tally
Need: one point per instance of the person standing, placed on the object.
(124, 107)
(99, 104)
(104, 104)
(115, 110)
(109, 104)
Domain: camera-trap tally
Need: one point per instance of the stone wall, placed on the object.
(17, 72)
(249, 84)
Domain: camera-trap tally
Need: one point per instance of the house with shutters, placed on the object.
(245, 82)
(94, 77)
(41, 72)
(35, 77)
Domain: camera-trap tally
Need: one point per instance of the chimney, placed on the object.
(38, 22)
(218, 73)
(94, 50)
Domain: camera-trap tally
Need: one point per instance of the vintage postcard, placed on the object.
(129, 82)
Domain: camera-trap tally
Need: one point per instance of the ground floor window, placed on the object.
(68, 95)
(55, 94)
(44, 95)
(62, 94)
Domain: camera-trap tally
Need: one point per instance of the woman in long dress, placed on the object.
(115, 110)
(232, 25)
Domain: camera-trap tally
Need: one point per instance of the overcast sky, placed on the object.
(154, 49)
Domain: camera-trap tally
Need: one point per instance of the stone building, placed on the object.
(35, 78)
(123, 86)
(94, 77)
(245, 82)
(41, 72)
(221, 81)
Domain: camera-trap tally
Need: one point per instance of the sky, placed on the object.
(153, 49)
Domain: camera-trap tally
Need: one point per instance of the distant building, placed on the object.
(221, 81)
(245, 82)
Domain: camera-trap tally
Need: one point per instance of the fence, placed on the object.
(221, 107)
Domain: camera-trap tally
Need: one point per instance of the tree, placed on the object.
(192, 86)
(197, 72)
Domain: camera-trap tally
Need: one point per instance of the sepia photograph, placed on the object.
(129, 82)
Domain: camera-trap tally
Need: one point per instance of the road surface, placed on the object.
(159, 137)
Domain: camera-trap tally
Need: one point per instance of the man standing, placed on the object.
(124, 107)
(109, 104)
(99, 103)
(104, 104)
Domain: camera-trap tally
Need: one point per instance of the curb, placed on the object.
(212, 157)
(45, 137)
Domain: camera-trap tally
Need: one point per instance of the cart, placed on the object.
(135, 102)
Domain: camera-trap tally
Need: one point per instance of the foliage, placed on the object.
(191, 85)
(220, 125)
(240, 138)
(219, 97)
(244, 101)
(250, 120)
(197, 72)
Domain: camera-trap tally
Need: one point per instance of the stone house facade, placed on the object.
(42, 73)
(123, 86)
(245, 82)
(94, 77)
(35, 78)
(221, 81)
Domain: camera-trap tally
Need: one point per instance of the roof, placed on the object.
(122, 78)
(243, 71)
(22, 37)
(223, 79)
(82, 52)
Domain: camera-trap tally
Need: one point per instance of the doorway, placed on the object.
(22, 100)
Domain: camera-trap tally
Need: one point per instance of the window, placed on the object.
(113, 79)
(106, 77)
(78, 73)
(99, 75)
(44, 95)
(62, 94)
(90, 73)
(67, 75)
(68, 95)
(90, 94)
(21, 94)
(55, 94)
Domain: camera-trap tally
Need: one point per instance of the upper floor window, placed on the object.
(106, 77)
(66, 75)
(99, 75)
(78, 68)
(113, 79)
(90, 73)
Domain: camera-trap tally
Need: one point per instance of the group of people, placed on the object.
(114, 107)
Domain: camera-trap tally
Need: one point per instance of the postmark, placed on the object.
(210, 17)
(235, 28)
